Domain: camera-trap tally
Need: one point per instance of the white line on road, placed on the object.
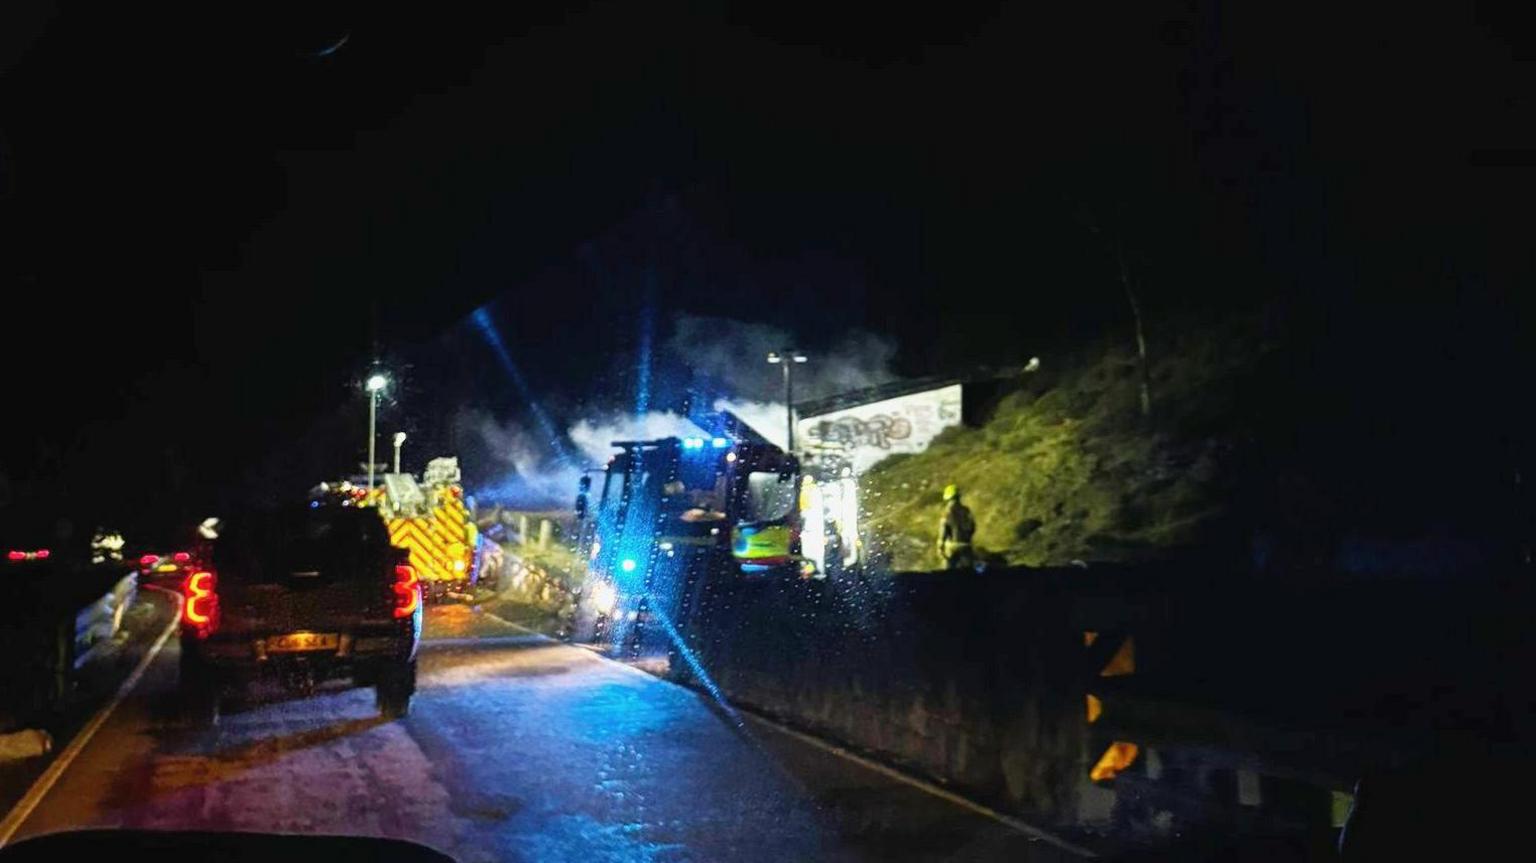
(889, 772)
(906, 779)
(44, 784)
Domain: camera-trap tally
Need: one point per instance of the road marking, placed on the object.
(484, 642)
(922, 785)
(889, 772)
(23, 808)
(499, 619)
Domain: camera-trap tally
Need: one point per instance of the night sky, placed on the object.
(256, 218)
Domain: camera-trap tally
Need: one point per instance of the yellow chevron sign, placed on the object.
(441, 544)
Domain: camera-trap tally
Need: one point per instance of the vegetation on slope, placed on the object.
(1066, 468)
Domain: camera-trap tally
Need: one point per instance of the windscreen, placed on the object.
(770, 495)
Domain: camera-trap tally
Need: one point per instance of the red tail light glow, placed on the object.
(18, 554)
(181, 557)
(149, 560)
(200, 611)
(407, 589)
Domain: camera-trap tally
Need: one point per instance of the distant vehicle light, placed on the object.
(42, 554)
(149, 560)
(181, 557)
(693, 443)
(628, 565)
(666, 546)
(730, 456)
(719, 443)
(15, 555)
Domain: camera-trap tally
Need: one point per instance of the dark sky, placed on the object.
(210, 229)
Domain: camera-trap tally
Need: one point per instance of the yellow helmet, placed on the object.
(951, 492)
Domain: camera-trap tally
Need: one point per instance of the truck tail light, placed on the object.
(200, 610)
(407, 590)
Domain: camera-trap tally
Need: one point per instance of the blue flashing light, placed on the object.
(720, 443)
(314, 504)
(628, 565)
(693, 443)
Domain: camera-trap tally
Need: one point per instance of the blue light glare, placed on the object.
(628, 565)
(693, 443)
(720, 443)
(643, 378)
(699, 674)
(492, 336)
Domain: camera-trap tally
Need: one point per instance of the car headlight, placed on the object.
(604, 598)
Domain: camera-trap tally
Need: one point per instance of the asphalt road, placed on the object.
(517, 748)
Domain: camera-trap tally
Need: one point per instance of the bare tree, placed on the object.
(1116, 241)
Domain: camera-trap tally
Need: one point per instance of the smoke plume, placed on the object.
(594, 437)
(734, 353)
(507, 464)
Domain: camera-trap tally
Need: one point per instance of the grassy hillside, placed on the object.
(1066, 468)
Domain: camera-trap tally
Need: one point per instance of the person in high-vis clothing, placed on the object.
(956, 528)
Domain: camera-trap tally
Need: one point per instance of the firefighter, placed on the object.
(956, 527)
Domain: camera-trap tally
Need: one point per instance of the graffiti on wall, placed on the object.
(876, 431)
(869, 433)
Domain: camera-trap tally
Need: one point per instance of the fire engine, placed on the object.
(671, 513)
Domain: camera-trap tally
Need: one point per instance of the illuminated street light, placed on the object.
(399, 442)
(788, 359)
(375, 385)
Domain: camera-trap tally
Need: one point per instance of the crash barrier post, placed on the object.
(1193, 681)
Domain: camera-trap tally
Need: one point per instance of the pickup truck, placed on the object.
(301, 596)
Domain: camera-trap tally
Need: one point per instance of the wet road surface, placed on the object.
(517, 748)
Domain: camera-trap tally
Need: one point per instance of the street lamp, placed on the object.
(788, 359)
(376, 384)
(399, 441)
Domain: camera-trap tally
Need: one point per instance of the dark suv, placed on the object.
(301, 596)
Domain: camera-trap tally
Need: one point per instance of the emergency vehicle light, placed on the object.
(693, 443)
(720, 443)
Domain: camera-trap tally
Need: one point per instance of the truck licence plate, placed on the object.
(296, 642)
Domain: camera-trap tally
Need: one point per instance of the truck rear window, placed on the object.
(332, 541)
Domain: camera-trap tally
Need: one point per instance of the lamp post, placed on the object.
(399, 441)
(376, 384)
(788, 359)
